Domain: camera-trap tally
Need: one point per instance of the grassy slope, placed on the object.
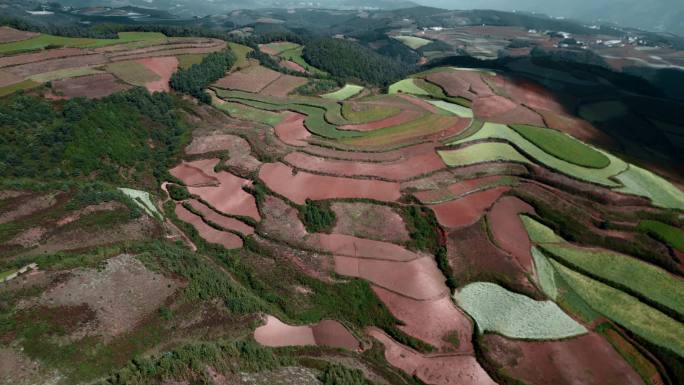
(639, 181)
(187, 61)
(241, 52)
(454, 108)
(23, 85)
(132, 72)
(413, 42)
(407, 86)
(295, 55)
(64, 74)
(44, 41)
(671, 235)
(365, 113)
(240, 111)
(344, 93)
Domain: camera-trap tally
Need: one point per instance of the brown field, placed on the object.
(191, 174)
(292, 66)
(208, 233)
(455, 190)
(580, 129)
(282, 220)
(164, 67)
(467, 210)
(251, 79)
(438, 370)
(221, 220)
(508, 231)
(283, 85)
(91, 86)
(403, 117)
(351, 246)
(239, 151)
(7, 78)
(528, 93)
(369, 221)
(300, 186)
(329, 333)
(586, 360)
(292, 130)
(35, 68)
(8, 34)
(468, 84)
(32, 57)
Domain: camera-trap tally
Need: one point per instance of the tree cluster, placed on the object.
(193, 80)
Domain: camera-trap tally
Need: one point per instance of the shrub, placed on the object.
(317, 216)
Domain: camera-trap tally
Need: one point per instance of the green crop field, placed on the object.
(142, 199)
(546, 274)
(453, 108)
(562, 146)
(356, 113)
(187, 61)
(282, 46)
(502, 132)
(639, 181)
(295, 55)
(671, 235)
(241, 111)
(413, 42)
(24, 85)
(539, 233)
(481, 153)
(344, 93)
(514, 315)
(407, 86)
(241, 52)
(46, 41)
(132, 72)
(64, 74)
(620, 270)
(626, 310)
(401, 133)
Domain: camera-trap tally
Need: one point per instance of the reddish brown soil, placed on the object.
(468, 84)
(208, 233)
(456, 190)
(26, 70)
(492, 106)
(164, 67)
(221, 220)
(386, 156)
(302, 185)
(528, 93)
(400, 118)
(268, 50)
(439, 370)
(251, 79)
(436, 322)
(585, 360)
(369, 221)
(467, 210)
(473, 257)
(292, 66)
(8, 35)
(39, 56)
(281, 220)
(7, 79)
(580, 129)
(325, 333)
(283, 85)
(192, 175)
(292, 130)
(518, 115)
(508, 231)
(419, 279)
(418, 102)
(91, 86)
(348, 245)
(413, 166)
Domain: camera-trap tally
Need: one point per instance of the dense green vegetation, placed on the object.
(350, 60)
(670, 235)
(133, 131)
(336, 374)
(317, 216)
(195, 79)
(178, 193)
(562, 146)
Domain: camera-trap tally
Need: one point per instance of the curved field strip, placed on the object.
(413, 42)
(502, 132)
(562, 146)
(482, 153)
(43, 41)
(428, 124)
(539, 233)
(467, 210)
(330, 333)
(671, 235)
(23, 85)
(626, 310)
(364, 111)
(453, 108)
(208, 233)
(546, 274)
(221, 220)
(639, 181)
(278, 47)
(621, 270)
(407, 86)
(64, 74)
(514, 315)
(251, 79)
(291, 129)
(344, 93)
(350, 246)
(132, 72)
(243, 112)
(459, 189)
(400, 118)
(507, 230)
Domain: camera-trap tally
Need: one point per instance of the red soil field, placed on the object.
(348, 245)
(386, 156)
(283, 85)
(413, 166)
(400, 118)
(419, 279)
(302, 185)
(40, 56)
(492, 106)
(216, 142)
(369, 221)
(418, 102)
(26, 70)
(8, 35)
(162, 66)
(431, 321)
(508, 231)
(91, 86)
(7, 79)
(291, 129)
(223, 221)
(528, 92)
(252, 79)
(192, 175)
(468, 84)
(330, 333)
(519, 115)
(292, 66)
(438, 370)
(456, 190)
(208, 233)
(586, 360)
(467, 210)
(268, 50)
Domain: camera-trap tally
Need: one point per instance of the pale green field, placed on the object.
(598, 176)
(481, 153)
(639, 181)
(514, 315)
(407, 86)
(44, 41)
(241, 52)
(142, 199)
(627, 311)
(546, 275)
(344, 93)
(281, 46)
(241, 111)
(456, 109)
(187, 61)
(132, 72)
(538, 232)
(64, 74)
(413, 42)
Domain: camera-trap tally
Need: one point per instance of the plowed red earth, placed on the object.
(223, 221)
(329, 333)
(456, 190)
(36, 68)
(439, 370)
(518, 115)
(8, 34)
(492, 106)
(508, 230)
(400, 118)
(302, 185)
(251, 79)
(348, 245)
(39, 56)
(7, 78)
(164, 67)
(291, 129)
(283, 85)
(467, 210)
(386, 156)
(369, 221)
(418, 102)
(91, 86)
(529, 93)
(413, 166)
(586, 360)
(227, 196)
(292, 66)
(419, 279)
(431, 321)
(208, 233)
(468, 84)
